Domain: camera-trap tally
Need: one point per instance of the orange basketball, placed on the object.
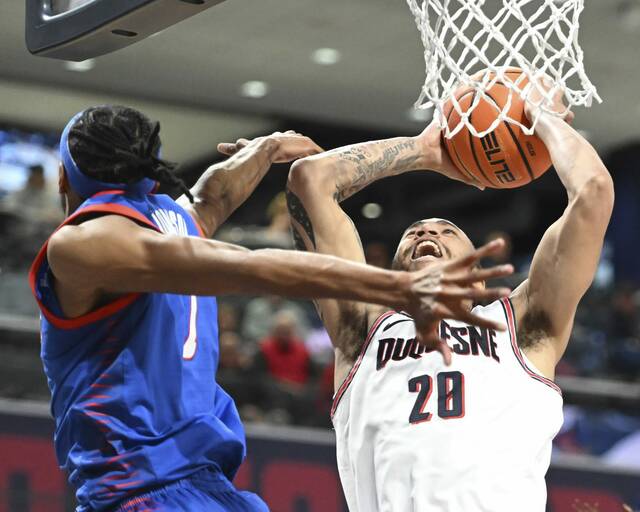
(506, 157)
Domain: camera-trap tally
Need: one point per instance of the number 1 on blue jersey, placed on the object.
(191, 343)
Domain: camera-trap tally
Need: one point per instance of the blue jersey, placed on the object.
(133, 385)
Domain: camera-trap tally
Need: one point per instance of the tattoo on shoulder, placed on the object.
(300, 215)
(368, 167)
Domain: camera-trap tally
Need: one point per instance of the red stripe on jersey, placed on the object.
(126, 484)
(345, 384)
(103, 311)
(511, 322)
(108, 192)
(195, 221)
(111, 478)
(131, 502)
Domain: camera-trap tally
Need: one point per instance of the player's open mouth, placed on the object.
(426, 249)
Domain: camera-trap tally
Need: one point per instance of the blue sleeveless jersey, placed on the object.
(133, 384)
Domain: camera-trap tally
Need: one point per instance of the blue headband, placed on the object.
(86, 186)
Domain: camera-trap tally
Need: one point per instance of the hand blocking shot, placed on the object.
(468, 428)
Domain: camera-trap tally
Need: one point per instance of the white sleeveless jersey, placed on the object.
(414, 435)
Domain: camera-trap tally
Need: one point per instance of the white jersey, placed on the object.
(414, 435)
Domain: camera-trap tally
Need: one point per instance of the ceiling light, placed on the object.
(629, 15)
(371, 211)
(421, 115)
(326, 56)
(254, 89)
(80, 67)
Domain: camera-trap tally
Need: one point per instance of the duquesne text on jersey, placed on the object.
(464, 340)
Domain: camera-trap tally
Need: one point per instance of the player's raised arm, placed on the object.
(316, 186)
(314, 190)
(226, 185)
(566, 259)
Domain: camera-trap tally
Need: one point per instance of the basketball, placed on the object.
(506, 157)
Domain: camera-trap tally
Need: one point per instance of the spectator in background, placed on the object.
(377, 254)
(276, 234)
(260, 312)
(234, 371)
(324, 398)
(28, 216)
(36, 202)
(35, 212)
(232, 358)
(624, 315)
(227, 317)
(287, 371)
(624, 331)
(285, 355)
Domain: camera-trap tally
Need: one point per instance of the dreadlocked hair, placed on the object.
(118, 144)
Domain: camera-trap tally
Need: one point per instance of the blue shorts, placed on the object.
(206, 491)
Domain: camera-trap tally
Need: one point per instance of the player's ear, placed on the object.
(63, 181)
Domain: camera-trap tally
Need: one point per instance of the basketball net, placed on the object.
(463, 37)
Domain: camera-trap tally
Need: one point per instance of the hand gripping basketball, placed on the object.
(447, 291)
(536, 98)
(507, 155)
(433, 146)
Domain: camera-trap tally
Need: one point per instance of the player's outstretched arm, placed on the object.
(566, 259)
(113, 255)
(226, 185)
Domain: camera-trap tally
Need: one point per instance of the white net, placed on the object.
(464, 37)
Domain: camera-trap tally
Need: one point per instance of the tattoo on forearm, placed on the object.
(359, 166)
(300, 215)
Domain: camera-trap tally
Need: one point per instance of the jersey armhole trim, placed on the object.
(113, 192)
(103, 311)
(197, 224)
(509, 312)
(345, 383)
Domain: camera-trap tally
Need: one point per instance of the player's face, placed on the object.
(430, 241)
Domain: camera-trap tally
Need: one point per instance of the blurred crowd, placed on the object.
(276, 359)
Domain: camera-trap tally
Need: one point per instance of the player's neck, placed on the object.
(71, 203)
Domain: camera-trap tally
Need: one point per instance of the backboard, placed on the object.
(82, 29)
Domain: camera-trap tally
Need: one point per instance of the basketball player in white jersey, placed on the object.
(413, 432)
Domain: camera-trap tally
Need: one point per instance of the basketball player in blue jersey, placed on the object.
(129, 329)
